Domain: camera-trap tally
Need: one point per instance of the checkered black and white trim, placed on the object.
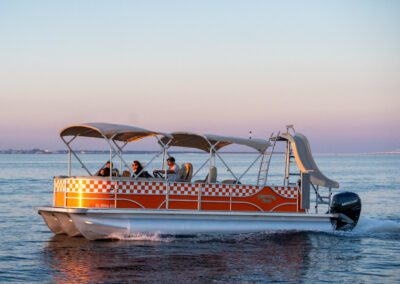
(287, 192)
(160, 188)
(88, 185)
(60, 185)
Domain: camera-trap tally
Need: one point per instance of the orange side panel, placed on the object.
(215, 206)
(140, 201)
(183, 205)
(97, 193)
(59, 199)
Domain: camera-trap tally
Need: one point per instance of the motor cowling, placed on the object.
(347, 206)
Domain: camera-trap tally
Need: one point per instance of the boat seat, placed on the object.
(186, 172)
(212, 174)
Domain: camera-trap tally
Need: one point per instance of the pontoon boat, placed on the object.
(123, 205)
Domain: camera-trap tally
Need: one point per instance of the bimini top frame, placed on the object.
(115, 134)
(212, 144)
(112, 133)
(207, 142)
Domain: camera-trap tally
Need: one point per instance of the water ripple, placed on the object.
(30, 253)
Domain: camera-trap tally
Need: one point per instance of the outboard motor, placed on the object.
(348, 207)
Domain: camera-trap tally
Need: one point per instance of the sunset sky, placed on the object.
(331, 68)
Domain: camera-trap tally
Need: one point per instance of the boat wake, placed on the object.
(156, 237)
(366, 226)
(372, 226)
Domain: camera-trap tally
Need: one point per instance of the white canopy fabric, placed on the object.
(187, 139)
(202, 142)
(118, 132)
(258, 144)
(128, 133)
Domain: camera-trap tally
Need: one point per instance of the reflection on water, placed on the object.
(264, 257)
(205, 258)
(371, 253)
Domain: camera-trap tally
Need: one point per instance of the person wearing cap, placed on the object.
(173, 170)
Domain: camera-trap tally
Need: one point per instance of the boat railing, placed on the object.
(321, 199)
(105, 192)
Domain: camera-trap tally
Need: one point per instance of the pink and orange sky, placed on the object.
(332, 68)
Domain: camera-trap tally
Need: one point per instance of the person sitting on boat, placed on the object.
(105, 172)
(137, 169)
(172, 172)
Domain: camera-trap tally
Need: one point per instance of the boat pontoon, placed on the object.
(123, 205)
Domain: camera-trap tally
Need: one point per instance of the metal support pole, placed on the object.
(115, 194)
(120, 160)
(262, 162)
(245, 172)
(287, 164)
(117, 152)
(69, 155)
(226, 165)
(54, 195)
(260, 168)
(165, 173)
(210, 165)
(114, 154)
(270, 157)
(199, 189)
(230, 198)
(111, 164)
(69, 162)
(75, 155)
(120, 152)
(214, 151)
(152, 159)
(202, 166)
(164, 166)
(163, 158)
(166, 193)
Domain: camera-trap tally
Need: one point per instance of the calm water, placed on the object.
(29, 252)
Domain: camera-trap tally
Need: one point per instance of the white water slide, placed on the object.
(305, 161)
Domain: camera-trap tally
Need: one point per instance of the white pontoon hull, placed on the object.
(96, 224)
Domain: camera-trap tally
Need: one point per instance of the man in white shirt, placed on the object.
(173, 170)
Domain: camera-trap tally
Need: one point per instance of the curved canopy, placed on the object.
(202, 142)
(117, 132)
(187, 139)
(258, 144)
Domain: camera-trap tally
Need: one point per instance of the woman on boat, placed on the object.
(105, 172)
(137, 169)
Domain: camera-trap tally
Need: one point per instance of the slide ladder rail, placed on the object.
(265, 163)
